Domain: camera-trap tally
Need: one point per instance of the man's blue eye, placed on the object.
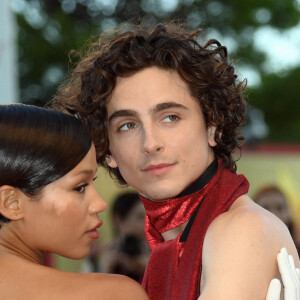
(128, 126)
(170, 118)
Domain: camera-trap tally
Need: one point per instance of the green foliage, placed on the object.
(69, 24)
(279, 98)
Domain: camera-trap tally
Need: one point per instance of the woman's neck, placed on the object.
(12, 244)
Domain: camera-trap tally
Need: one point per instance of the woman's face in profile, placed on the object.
(64, 219)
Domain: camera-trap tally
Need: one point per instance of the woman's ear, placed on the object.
(211, 131)
(10, 202)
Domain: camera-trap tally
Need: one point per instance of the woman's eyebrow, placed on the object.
(88, 172)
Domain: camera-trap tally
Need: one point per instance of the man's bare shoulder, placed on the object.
(240, 249)
(247, 221)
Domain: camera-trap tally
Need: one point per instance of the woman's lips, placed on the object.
(94, 234)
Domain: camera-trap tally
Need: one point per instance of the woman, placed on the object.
(48, 204)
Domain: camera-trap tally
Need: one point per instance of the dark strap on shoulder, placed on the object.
(189, 225)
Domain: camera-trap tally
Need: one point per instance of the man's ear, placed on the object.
(111, 161)
(211, 131)
(10, 202)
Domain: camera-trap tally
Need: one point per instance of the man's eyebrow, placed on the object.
(167, 105)
(133, 113)
(122, 113)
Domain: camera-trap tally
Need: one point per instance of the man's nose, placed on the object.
(152, 140)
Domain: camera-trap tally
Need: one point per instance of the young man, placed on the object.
(164, 113)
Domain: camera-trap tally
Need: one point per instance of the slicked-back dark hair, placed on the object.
(38, 146)
(205, 68)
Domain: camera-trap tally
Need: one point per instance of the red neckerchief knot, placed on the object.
(163, 216)
(174, 268)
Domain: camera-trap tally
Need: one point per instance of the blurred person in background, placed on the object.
(273, 199)
(129, 251)
(92, 262)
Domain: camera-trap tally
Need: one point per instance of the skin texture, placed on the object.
(143, 131)
(60, 220)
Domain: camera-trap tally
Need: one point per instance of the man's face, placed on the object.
(158, 137)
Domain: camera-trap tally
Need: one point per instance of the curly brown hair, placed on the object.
(204, 68)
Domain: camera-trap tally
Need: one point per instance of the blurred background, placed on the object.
(263, 39)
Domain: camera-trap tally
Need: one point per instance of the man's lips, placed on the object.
(158, 169)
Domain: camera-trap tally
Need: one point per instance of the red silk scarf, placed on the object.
(174, 267)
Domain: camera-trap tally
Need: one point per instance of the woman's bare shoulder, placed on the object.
(106, 286)
(39, 282)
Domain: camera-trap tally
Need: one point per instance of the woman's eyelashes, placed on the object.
(81, 188)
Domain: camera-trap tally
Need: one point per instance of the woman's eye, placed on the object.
(127, 126)
(170, 118)
(80, 188)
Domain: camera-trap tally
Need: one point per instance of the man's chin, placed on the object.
(161, 194)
